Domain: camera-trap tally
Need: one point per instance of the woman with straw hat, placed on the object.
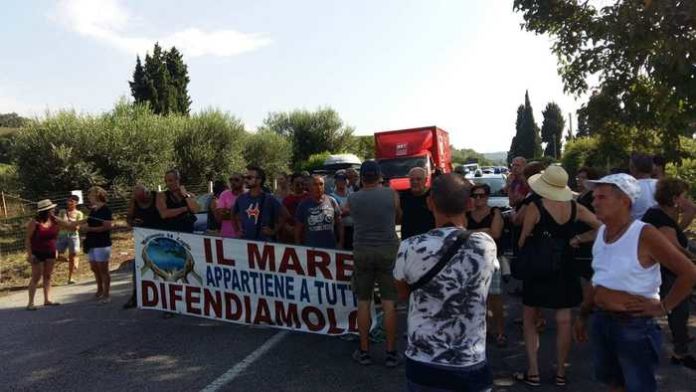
(551, 281)
(40, 243)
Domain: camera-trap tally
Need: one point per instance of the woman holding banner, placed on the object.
(176, 206)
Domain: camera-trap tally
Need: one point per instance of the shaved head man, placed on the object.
(417, 218)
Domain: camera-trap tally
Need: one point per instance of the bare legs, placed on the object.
(38, 271)
(389, 324)
(531, 339)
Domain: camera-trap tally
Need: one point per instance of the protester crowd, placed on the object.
(613, 252)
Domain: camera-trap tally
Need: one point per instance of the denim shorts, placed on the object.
(100, 255)
(626, 351)
(71, 243)
(425, 377)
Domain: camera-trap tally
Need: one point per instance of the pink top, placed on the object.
(227, 200)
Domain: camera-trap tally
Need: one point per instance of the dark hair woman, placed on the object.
(672, 197)
(483, 218)
(40, 243)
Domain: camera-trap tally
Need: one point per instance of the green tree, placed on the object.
(310, 132)
(363, 147)
(12, 120)
(641, 52)
(139, 87)
(210, 146)
(162, 82)
(179, 80)
(269, 150)
(467, 155)
(527, 142)
(552, 130)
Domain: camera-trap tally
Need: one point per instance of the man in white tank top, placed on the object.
(625, 295)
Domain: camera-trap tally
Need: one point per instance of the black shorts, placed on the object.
(40, 257)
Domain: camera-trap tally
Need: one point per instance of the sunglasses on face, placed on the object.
(479, 195)
(249, 177)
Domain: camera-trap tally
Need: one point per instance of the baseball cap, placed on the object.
(625, 182)
(370, 169)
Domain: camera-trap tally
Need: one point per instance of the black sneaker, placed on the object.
(362, 357)
(392, 359)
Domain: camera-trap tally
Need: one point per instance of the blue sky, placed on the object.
(463, 65)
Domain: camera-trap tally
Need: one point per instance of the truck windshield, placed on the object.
(399, 167)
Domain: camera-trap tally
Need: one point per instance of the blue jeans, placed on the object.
(425, 377)
(626, 351)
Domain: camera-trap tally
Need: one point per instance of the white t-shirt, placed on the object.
(447, 316)
(646, 199)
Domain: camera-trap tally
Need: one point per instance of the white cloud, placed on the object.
(109, 22)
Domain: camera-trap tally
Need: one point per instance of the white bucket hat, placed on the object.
(44, 205)
(625, 182)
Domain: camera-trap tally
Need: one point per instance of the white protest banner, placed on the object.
(247, 282)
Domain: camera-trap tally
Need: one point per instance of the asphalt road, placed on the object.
(84, 346)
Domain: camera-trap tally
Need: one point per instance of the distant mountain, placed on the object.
(496, 157)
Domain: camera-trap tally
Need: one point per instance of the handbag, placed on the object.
(543, 254)
(462, 236)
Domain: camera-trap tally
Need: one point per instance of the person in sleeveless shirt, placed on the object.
(554, 213)
(69, 240)
(671, 196)
(40, 243)
(176, 206)
(627, 256)
(490, 221)
(142, 212)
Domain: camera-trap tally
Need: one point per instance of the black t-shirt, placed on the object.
(96, 219)
(417, 218)
(658, 218)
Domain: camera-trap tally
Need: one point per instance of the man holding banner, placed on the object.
(258, 215)
(318, 219)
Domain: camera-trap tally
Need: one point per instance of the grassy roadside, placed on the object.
(15, 271)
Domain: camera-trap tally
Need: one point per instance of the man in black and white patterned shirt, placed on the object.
(447, 316)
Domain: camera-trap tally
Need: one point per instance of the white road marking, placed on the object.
(241, 366)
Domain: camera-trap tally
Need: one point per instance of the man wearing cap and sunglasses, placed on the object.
(627, 256)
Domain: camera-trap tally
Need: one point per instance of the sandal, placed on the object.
(52, 304)
(561, 381)
(501, 341)
(532, 380)
(31, 307)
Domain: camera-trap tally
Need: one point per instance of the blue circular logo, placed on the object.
(167, 254)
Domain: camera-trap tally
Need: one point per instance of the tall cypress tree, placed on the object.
(526, 142)
(138, 86)
(552, 130)
(179, 80)
(162, 81)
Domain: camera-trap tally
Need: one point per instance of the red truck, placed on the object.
(399, 151)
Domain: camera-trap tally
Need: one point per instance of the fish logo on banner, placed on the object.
(168, 258)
